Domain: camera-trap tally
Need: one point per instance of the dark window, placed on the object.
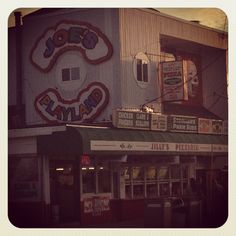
(70, 74)
(65, 74)
(139, 70)
(75, 73)
(145, 72)
(88, 176)
(104, 181)
(142, 70)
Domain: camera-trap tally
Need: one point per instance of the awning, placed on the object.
(77, 140)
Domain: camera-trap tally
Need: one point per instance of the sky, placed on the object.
(211, 17)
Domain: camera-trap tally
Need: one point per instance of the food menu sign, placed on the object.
(173, 88)
(172, 123)
(131, 120)
(183, 124)
(158, 122)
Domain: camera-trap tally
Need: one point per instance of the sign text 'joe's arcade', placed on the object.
(85, 108)
(94, 46)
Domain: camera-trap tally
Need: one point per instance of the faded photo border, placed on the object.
(6, 228)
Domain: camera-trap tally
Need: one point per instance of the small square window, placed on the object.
(65, 74)
(70, 74)
(75, 73)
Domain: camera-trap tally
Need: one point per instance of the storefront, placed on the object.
(105, 174)
(82, 66)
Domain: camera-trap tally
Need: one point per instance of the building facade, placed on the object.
(110, 109)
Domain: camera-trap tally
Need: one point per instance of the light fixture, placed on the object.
(59, 169)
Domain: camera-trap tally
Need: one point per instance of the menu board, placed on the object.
(173, 81)
(131, 120)
(158, 122)
(183, 124)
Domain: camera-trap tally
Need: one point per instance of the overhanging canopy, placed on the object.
(77, 140)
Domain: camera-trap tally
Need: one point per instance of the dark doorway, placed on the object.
(214, 187)
(64, 191)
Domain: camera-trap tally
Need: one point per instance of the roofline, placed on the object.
(59, 11)
(157, 12)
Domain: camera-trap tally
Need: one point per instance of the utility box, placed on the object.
(157, 213)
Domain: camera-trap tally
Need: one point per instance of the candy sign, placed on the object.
(94, 46)
(85, 108)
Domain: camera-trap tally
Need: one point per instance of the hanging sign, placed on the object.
(83, 37)
(173, 87)
(85, 108)
(183, 124)
(131, 120)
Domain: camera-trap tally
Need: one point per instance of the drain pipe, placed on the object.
(18, 45)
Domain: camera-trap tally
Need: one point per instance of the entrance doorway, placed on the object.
(64, 191)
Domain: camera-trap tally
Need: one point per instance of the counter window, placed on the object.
(164, 189)
(138, 173)
(155, 181)
(127, 173)
(138, 191)
(152, 190)
(163, 173)
(176, 189)
(88, 179)
(151, 173)
(104, 180)
(175, 172)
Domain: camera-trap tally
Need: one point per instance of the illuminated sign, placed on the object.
(70, 35)
(85, 160)
(86, 107)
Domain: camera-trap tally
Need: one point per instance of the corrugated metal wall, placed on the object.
(140, 31)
